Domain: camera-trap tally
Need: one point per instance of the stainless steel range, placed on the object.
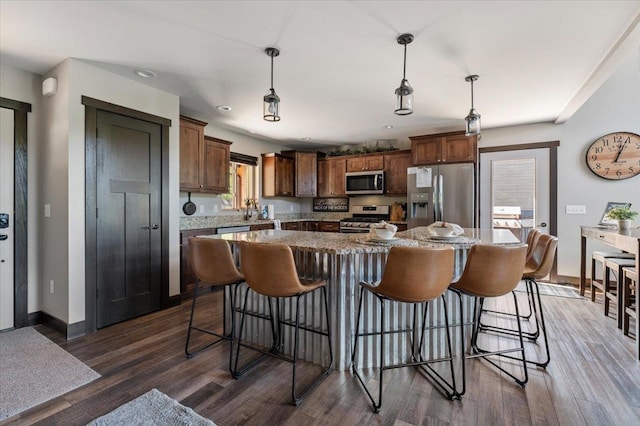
(363, 217)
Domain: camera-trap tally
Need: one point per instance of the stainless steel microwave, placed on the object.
(364, 182)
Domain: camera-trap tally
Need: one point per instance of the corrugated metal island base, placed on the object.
(344, 260)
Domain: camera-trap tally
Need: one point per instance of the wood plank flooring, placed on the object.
(593, 379)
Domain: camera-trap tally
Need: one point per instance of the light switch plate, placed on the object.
(575, 209)
(47, 210)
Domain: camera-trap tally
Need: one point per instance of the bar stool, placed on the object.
(413, 276)
(614, 292)
(213, 265)
(599, 257)
(629, 282)
(491, 271)
(270, 271)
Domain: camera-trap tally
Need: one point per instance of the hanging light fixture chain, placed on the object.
(404, 69)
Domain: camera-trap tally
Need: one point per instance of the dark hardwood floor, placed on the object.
(593, 379)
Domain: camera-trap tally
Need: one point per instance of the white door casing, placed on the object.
(6, 206)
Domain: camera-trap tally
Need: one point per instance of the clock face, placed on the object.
(615, 156)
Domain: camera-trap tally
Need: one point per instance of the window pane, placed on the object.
(513, 190)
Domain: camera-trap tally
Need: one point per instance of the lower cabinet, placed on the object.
(187, 277)
(261, 226)
(329, 227)
(311, 225)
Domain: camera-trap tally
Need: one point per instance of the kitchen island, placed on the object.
(344, 260)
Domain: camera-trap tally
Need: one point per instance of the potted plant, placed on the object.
(624, 215)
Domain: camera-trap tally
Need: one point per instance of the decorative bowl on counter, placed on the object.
(383, 233)
(442, 231)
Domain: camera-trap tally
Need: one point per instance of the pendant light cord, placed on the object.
(272, 74)
(471, 94)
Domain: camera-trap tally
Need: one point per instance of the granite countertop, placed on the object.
(337, 243)
(206, 222)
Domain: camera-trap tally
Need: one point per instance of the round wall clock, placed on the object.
(615, 156)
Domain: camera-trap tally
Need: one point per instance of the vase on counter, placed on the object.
(624, 224)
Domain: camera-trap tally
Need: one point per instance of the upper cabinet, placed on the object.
(305, 172)
(452, 147)
(331, 176)
(216, 165)
(204, 161)
(277, 175)
(396, 166)
(365, 162)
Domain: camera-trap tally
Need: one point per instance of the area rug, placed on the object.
(33, 370)
(557, 290)
(152, 408)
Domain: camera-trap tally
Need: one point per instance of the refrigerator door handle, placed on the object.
(435, 198)
(441, 196)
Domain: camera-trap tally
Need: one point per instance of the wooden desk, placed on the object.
(628, 241)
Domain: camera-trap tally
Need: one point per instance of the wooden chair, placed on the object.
(413, 276)
(614, 291)
(629, 282)
(213, 265)
(270, 271)
(599, 257)
(491, 271)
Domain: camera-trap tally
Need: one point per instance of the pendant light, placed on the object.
(473, 119)
(404, 93)
(271, 104)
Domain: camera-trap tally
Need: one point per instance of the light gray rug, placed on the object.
(33, 370)
(152, 408)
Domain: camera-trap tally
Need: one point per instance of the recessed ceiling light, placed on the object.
(146, 74)
(388, 126)
(306, 139)
(223, 108)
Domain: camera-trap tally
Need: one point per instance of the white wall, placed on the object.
(25, 87)
(614, 107)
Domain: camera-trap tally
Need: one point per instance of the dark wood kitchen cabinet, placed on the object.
(325, 226)
(277, 175)
(305, 172)
(396, 166)
(331, 177)
(365, 162)
(204, 160)
(441, 148)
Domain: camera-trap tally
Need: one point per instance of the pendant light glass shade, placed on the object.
(404, 93)
(473, 119)
(271, 101)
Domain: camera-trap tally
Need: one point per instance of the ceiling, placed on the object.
(339, 65)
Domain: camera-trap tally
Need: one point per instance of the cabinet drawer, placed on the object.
(329, 227)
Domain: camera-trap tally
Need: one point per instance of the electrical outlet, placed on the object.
(51, 286)
(201, 208)
(290, 208)
(575, 209)
(47, 210)
(215, 208)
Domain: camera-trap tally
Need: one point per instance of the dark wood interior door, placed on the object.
(128, 216)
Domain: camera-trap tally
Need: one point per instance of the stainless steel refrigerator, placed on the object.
(441, 193)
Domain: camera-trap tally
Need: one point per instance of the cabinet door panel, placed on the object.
(356, 164)
(426, 151)
(396, 173)
(338, 169)
(459, 148)
(216, 167)
(306, 174)
(190, 156)
(284, 176)
(374, 163)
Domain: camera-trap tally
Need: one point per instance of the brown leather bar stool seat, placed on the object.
(599, 257)
(213, 265)
(492, 271)
(613, 291)
(270, 271)
(537, 267)
(413, 276)
(629, 283)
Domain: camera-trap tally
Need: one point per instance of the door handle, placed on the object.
(543, 225)
(154, 226)
(3, 237)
